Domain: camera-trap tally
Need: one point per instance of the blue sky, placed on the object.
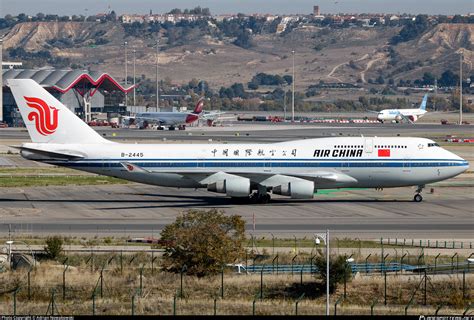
(67, 7)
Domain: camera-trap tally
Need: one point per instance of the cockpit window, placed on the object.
(434, 144)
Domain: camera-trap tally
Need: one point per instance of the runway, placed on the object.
(140, 210)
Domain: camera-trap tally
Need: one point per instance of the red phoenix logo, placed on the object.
(45, 117)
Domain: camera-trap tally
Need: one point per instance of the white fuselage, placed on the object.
(399, 114)
(365, 161)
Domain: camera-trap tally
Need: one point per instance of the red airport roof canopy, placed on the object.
(64, 80)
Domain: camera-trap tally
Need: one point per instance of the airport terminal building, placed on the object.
(81, 91)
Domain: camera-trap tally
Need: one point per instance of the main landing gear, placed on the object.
(418, 197)
(261, 198)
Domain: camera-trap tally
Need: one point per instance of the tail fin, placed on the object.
(423, 102)
(199, 106)
(47, 119)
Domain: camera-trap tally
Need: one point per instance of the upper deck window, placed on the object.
(434, 144)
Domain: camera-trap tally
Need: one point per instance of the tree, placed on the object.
(54, 247)
(380, 80)
(336, 270)
(244, 39)
(201, 242)
(428, 79)
(448, 79)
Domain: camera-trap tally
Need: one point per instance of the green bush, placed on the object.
(336, 270)
(201, 242)
(54, 247)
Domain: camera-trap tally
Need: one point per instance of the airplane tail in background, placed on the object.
(423, 103)
(47, 119)
(199, 106)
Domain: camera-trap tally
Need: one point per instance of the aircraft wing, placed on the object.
(331, 178)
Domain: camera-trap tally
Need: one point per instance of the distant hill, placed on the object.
(322, 54)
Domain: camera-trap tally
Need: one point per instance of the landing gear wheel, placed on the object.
(417, 198)
(172, 128)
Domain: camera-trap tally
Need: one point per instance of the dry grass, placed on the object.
(280, 293)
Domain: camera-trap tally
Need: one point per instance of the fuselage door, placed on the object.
(369, 145)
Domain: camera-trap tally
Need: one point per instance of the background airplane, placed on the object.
(172, 120)
(247, 171)
(399, 115)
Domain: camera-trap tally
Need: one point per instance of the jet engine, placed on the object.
(233, 187)
(296, 189)
(398, 118)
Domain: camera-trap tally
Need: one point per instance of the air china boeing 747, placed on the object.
(252, 171)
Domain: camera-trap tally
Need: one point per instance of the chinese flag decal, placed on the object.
(384, 152)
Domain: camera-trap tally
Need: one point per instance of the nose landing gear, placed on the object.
(418, 197)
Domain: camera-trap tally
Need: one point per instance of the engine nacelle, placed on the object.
(233, 187)
(297, 189)
(398, 118)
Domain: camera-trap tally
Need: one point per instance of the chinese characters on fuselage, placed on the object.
(254, 152)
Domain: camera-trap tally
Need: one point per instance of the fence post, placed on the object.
(301, 275)
(436, 260)
(372, 307)
(292, 263)
(133, 304)
(52, 302)
(467, 309)
(385, 287)
(215, 306)
(92, 261)
(401, 261)
(337, 302)
(424, 293)
(93, 302)
(408, 305)
(174, 305)
(181, 294)
(464, 284)
(14, 300)
(153, 265)
(141, 279)
(439, 308)
(452, 261)
(273, 244)
(261, 283)
(311, 264)
(297, 302)
(222, 283)
(273, 264)
(29, 284)
(367, 264)
(64, 281)
(121, 261)
(253, 306)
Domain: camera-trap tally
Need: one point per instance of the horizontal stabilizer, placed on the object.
(41, 154)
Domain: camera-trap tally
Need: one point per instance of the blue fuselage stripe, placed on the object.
(263, 164)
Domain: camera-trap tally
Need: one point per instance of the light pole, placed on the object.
(325, 238)
(293, 90)
(134, 77)
(461, 57)
(126, 69)
(157, 81)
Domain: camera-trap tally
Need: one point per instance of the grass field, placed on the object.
(153, 293)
